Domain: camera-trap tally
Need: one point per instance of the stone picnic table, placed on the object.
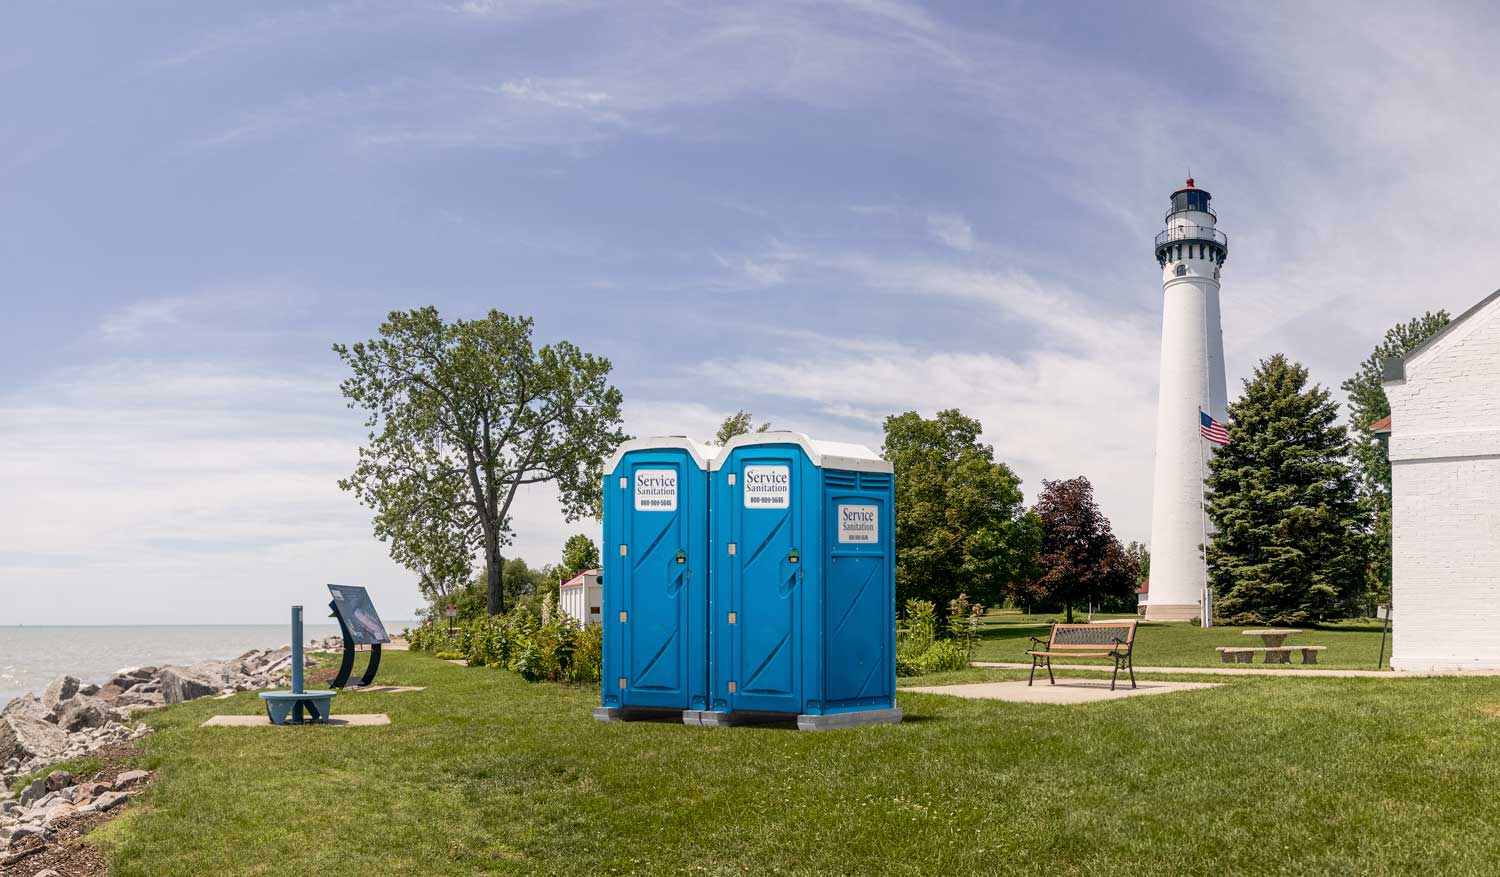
(1271, 639)
(1273, 648)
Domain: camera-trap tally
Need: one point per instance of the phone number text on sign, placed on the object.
(768, 487)
(656, 490)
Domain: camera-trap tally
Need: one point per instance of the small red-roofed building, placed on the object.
(582, 596)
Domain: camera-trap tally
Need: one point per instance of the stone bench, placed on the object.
(1274, 654)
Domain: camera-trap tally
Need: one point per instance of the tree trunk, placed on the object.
(1068, 608)
(495, 569)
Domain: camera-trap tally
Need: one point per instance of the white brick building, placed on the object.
(1445, 481)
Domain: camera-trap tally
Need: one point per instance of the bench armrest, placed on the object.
(1037, 641)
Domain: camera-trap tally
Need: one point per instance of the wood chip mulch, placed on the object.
(67, 849)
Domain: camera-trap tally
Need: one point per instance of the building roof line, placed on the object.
(1452, 324)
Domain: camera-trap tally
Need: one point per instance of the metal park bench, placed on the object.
(1101, 639)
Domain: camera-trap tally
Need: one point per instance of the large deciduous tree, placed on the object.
(1368, 404)
(462, 415)
(1288, 547)
(960, 523)
(1080, 561)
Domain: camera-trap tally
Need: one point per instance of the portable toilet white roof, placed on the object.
(824, 454)
(702, 453)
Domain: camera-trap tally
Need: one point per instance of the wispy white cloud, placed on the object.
(1040, 409)
(951, 229)
(260, 30)
(206, 310)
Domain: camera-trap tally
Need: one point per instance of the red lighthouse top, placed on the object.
(1190, 182)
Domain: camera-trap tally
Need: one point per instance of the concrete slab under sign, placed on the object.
(350, 721)
(1065, 691)
(385, 689)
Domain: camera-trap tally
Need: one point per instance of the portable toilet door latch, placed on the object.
(681, 556)
(792, 556)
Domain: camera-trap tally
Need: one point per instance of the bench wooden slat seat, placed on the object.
(1103, 639)
(1274, 654)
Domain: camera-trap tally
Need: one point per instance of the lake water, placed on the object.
(31, 657)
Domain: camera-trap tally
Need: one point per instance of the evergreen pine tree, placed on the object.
(1288, 547)
(1367, 404)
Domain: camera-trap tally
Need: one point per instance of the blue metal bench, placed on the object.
(298, 706)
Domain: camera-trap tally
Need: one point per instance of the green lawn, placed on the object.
(486, 774)
(1352, 645)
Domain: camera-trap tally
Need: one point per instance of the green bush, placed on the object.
(945, 655)
(918, 649)
(588, 655)
(550, 648)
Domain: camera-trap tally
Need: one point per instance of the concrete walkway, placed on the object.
(1245, 671)
(1065, 691)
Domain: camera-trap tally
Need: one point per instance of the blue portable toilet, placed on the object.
(803, 599)
(655, 578)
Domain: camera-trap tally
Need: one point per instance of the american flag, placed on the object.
(1212, 430)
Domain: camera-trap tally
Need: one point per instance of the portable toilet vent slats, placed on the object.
(655, 561)
(802, 603)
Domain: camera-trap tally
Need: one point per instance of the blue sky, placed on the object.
(822, 212)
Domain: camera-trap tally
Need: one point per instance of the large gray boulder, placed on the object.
(28, 705)
(82, 711)
(23, 737)
(179, 684)
(62, 688)
(135, 698)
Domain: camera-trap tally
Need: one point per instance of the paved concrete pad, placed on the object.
(1287, 670)
(1065, 691)
(350, 721)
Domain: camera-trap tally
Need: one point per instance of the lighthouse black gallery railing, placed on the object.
(1193, 233)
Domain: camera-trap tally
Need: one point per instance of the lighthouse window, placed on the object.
(1181, 271)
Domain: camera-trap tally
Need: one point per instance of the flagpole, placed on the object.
(1206, 616)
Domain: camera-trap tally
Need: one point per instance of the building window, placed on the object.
(1181, 271)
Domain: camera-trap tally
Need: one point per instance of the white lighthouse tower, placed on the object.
(1190, 251)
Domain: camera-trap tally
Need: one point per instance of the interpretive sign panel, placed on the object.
(353, 605)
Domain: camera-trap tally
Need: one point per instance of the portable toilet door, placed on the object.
(764, 541)
(802, 603)
(655, 584)
(859, 596)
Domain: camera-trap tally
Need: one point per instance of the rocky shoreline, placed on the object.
(70, 720)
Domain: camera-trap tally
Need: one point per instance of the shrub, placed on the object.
(945, 655)
(918, 649)
(554, 650)
(588, 656)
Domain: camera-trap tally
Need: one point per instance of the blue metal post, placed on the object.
(297, 649)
